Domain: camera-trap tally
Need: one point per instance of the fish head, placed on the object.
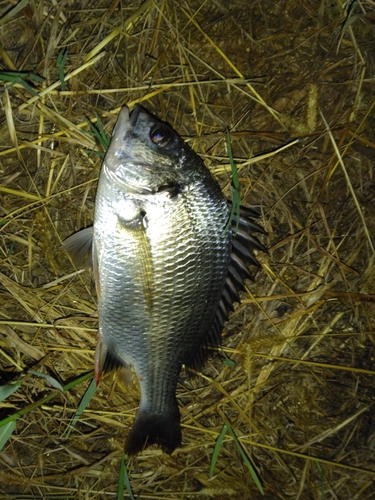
(147, 156)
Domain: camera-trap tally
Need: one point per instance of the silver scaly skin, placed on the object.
(162, 261)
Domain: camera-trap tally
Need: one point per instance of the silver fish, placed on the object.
(167, 269)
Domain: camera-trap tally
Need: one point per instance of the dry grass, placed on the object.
(300, 397)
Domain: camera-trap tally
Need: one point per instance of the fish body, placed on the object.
(165, 267)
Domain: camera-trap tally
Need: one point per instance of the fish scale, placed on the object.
(165, 269)
(162, 314)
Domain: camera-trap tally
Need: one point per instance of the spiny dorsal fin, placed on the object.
(242, 255)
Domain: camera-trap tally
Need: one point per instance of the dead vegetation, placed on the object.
(300, 397)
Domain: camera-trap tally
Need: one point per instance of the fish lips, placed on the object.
(126, 122)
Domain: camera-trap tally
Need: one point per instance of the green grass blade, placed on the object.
(121, 479)
(93, 152)
(236, 197)
(99, 133)
(35, 78)
(60, 63)
(124, 481)
(27, 87)
(18, 77)
(46, 399)
(105, 139)
(79, 380)
(321, 472)
(55, 383)
(217, 448)
(7, 390)
(6, 432)
(82, 405)
(229, 362)
(246, 460)
(13, 12)
(10, 250)
(349, 19)
(9, 76)
(235, 180)
(8, 424)
(230, 218)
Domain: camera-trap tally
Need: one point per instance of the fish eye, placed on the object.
(161, 136)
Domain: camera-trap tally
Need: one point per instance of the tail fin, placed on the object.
(154, 428)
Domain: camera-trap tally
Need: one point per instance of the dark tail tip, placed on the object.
(150, 428)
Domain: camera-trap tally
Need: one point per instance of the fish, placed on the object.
(168, 263)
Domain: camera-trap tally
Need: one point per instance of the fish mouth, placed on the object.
(134, 115)
(126, 121)
(113, 165)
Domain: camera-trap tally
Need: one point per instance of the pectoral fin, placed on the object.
(79, 247)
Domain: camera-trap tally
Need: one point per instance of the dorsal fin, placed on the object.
(242, 255)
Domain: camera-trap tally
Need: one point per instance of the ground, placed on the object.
(293, 82)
